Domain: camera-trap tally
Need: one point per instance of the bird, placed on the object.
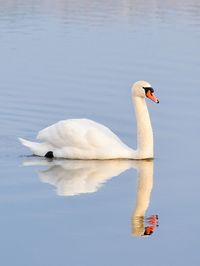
(86, 139)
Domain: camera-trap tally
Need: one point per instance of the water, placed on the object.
(64, 59)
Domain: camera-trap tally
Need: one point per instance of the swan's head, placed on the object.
(143, 89)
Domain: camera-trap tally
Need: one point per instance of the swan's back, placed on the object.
(81, 139)
(81, 133)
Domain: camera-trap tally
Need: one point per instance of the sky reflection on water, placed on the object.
(64, 59)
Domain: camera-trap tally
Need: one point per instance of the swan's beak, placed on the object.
(151, 96)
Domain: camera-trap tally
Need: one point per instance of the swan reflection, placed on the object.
(74, 177)
(141, 225)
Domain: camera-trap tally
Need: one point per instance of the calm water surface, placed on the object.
(63, 59)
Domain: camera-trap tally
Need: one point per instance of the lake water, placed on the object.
(63, 59)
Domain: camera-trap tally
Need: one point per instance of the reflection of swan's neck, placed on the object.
(144, 129)
(144, 187)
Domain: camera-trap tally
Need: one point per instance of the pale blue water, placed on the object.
(64, 59)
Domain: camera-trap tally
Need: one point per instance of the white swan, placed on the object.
(87, 139)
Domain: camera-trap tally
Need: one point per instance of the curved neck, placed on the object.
(144, 129)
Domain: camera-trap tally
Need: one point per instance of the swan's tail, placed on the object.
(39, 149)
(26, 143)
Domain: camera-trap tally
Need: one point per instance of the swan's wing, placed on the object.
(81, 133)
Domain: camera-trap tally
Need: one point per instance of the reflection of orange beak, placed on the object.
(149, 230)
(151, 96)
(153, 219)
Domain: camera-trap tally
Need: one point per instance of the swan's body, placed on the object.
(80, 139)
(86, 139)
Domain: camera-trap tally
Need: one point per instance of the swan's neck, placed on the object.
(144, 129)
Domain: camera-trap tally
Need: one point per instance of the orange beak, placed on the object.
(151, 96)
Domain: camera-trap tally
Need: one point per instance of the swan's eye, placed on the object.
(148, 89)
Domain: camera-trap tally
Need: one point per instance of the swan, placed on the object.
(87, 139)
